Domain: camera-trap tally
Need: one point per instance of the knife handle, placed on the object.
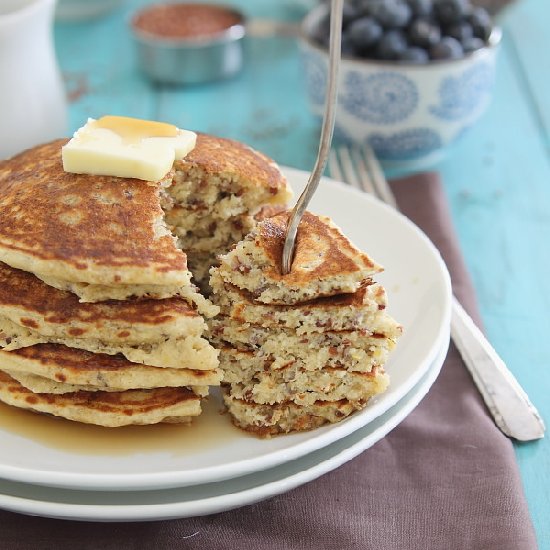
(506, 400)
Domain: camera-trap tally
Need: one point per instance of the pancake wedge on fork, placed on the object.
(325, 263)
(303, 349)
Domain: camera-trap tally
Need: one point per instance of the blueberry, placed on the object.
(461, 31)
(349, 14)
(424, 33)
(390, 13)
(447, 48)
(321, 31)
(365, 7)
(450, 11)
(472, 44)
(421, 8)
(480, 20)
(392, 45)
(408, 30)
(347, 45)
(414, 55)
(364, 32)
(479, 15)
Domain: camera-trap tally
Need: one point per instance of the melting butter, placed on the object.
(126, 147)
(133, 130)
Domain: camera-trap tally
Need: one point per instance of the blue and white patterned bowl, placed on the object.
(408, 113)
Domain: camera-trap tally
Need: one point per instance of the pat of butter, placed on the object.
(126, 148)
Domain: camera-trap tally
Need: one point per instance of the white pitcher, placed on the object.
(33, 107)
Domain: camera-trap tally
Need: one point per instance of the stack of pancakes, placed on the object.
(306, 348)
(99, 319)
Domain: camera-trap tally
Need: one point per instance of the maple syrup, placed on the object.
(208, 431)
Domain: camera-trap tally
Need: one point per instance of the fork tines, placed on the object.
(359, 167)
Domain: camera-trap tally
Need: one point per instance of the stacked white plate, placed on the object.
(58, 469)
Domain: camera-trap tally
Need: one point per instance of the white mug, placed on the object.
(33, 107)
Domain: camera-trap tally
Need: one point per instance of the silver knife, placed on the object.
(509, 405)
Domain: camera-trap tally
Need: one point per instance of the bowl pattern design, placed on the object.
(316, 78)
(461, 95)
(382, 98)
(406, 144)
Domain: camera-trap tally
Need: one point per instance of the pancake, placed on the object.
(99, 293)
(39, 384)
(285, 341)
(100, 371)
(109, 409)
(305, 387)
(255, 360)
(325, 262)
(352, 358)
(340, 312)
(81, 228)
(267, 420)
(29, 302)
(240, 178)
(191, 352)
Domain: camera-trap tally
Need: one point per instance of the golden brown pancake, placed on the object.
(180, 352)
(325, 263)
(94, 229)
(322, 251)
(105, 372)
(266, 420)
(117, 238)
(215, 155)
(110, 409)
(339, 312)
(29, 302)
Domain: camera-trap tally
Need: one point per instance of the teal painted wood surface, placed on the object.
(497, 178)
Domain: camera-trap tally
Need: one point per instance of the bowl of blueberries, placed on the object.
(414, 76)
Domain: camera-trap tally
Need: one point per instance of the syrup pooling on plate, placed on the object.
(209, 431)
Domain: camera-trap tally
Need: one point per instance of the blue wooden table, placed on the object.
(497, 179)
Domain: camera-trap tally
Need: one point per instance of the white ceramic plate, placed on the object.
(62, 454)
(213, 497)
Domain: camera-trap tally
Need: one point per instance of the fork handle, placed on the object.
(509, 405)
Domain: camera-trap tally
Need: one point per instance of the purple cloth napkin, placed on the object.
(445, 478)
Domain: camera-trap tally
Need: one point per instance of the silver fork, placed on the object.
(506, 400)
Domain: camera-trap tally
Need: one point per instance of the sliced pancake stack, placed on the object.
(99, 319)
(303, 349)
